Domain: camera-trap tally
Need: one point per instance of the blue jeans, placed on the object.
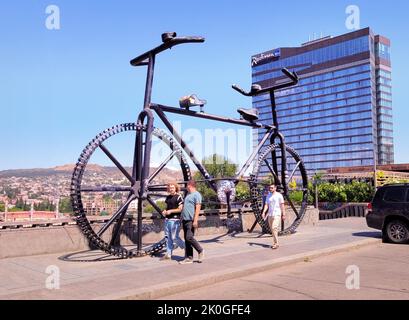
(172, 228)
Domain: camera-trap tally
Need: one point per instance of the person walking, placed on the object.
(174, 205)
(190, 222)
(274, 210)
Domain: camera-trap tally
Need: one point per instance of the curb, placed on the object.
(169, 288)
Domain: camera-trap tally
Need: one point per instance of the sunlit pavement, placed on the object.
(227, 257)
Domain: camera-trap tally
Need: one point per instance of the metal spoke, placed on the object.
(121, 210)
(155, 206)
(272, 171)
(292, 173)
(292, 206)
(116, 162)
(157, 189)
(163, 164)
(106, 189)
(162, 187)
(160, 195)
(117, 229)
(157, 185)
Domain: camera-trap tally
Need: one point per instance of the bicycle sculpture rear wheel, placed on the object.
(116, 234)
(294, 187)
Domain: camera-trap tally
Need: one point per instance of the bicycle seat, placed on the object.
(191, 101)
(249, 114)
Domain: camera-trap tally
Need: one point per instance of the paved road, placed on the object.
(228, 256)
(384, 274)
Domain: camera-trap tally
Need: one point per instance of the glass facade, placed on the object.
(340, 113)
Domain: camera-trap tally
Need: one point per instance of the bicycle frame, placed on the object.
(160, 111)
(141, 175)
(145, 120)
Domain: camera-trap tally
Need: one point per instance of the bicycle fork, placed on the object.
(141, 162)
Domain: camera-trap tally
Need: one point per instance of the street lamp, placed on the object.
(374, 167)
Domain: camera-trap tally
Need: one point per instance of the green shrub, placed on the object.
(150, 209)
(342, 192)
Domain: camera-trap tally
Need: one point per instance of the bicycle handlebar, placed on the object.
(169, 40)
(256, 88)
(292, 75)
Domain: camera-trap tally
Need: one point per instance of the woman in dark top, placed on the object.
(174, 204)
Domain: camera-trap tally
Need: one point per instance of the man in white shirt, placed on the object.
(274, 210)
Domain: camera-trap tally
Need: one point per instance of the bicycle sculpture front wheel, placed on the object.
(105, 198)
(292, 182)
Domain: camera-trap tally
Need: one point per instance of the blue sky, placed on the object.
(59, 88)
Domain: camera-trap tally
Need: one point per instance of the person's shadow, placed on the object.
(217, 239)
(252, 244)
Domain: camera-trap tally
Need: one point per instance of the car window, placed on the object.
(396, 194)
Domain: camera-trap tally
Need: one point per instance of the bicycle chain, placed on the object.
(75, 189)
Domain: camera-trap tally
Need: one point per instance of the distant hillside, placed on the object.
(66, 170)
(29, 173)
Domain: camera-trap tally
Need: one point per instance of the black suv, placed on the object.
(389, 212)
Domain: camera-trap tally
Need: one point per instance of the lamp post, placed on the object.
(6, 210)
(57, 208)
(31, 210)
(374, 168)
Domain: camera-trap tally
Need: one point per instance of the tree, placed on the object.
(19, 203)
(242, 191)
(11, 193)
(219, 167)
(150, 209)
(65, 205)
(15, 209)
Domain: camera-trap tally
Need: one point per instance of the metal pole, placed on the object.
(374, 169)
(31, 211)
(6, 210)
(57, 209)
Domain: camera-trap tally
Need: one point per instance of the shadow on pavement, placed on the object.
(88, 256)
(248, 235)
(218, 238)
(368, 234)
(267, 246)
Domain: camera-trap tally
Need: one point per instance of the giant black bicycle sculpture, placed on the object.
(276, 163)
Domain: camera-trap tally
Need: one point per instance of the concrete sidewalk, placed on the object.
(226, 257)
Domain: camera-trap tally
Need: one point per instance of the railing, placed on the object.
(347, 210)
(29, 216)
(100, 219)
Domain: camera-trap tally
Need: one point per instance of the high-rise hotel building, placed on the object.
(340, 113)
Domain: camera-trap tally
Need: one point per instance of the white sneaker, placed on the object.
(165, 257)
(201, 257)
(186, 261)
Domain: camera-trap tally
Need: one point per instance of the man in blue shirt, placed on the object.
(190, 222)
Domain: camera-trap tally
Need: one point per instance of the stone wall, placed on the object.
(35, 238)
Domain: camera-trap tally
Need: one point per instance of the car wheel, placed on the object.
(397, 232)
(385, 238)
